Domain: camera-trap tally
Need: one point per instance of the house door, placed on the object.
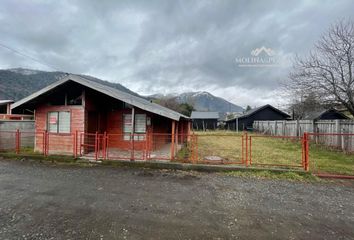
(97, 122)
(92, 123)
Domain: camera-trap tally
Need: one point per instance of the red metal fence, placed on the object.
(331, 154)
(221, 148)
(312, 151)
(286, 151)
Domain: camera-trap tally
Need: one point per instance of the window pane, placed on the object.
(53, 122)
(140, 123)
(126, 137)
(74, 99)
(127, 123)
(64, 122)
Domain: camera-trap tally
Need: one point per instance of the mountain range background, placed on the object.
(18, 83)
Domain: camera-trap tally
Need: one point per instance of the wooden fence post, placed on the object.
(337, 130)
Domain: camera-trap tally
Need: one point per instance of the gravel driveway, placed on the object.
(41, 201)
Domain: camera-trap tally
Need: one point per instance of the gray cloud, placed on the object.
(168, 46)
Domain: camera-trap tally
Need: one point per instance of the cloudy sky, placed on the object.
(168, 46)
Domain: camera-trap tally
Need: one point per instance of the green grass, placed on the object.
(330, 161)
(291, 176)
(28, 153)
(183, 155)
(227, 145)
(276, 151)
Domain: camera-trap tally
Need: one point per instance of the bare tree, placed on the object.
(304, 105)
(172, 103)
(328, 70)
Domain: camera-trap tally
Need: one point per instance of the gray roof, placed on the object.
(314, 114)
(4, 102)
(254, 110)
(317, 114)
(109, 91)
(204, 115)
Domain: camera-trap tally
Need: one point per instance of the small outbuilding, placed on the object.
(325, 114)
(205, 120)
(245, 120)
(75, 110)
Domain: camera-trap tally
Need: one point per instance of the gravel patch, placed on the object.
(40, 201)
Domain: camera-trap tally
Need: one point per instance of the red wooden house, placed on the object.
(81, 116)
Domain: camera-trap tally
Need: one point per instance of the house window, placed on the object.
(139, 126)
(74, 98)
(127, 126)
(58, 122)
(140, 123)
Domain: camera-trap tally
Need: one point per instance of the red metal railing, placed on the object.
(214, 148)
(244, 149)
(331, 154)
(286, 151)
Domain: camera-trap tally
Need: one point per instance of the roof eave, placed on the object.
(103, 89)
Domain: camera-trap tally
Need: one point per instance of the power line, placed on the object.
(27, 56)
(48, 65)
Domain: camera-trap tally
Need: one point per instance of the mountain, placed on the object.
(203, 101)
(18, 83)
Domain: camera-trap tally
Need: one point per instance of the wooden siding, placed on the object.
(102, 114)
(59, 143)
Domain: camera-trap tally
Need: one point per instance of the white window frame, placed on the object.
(58, 131)
(141, 134)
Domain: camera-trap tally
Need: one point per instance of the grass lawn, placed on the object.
(227, 145)
(330, 161)
(291, 176)
(213, 145)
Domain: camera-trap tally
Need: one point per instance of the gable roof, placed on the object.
(204, 115)
(315, 115)
(109, 91)
(257, 109)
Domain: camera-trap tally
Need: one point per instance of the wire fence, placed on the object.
(315, 152)
(331, 153)
(277, 151)
(221, 148)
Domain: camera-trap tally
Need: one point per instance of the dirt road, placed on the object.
(39, 201)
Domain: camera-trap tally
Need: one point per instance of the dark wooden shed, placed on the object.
(327, 114)
(205, 120)
(245, 120)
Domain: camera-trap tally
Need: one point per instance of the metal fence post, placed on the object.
(96, 145)
(104, 145)
(306, 151)
(242, 149)
(195, 158)
(172, 150)
(246, 148)
(18, 144)
(75, 143)
(250, 157)
(46, 143)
